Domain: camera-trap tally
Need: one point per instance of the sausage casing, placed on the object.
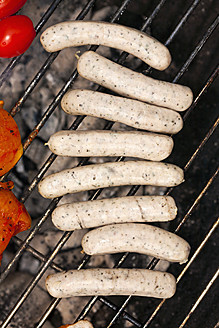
(139, 144)
(131, 84)
(124, 110)
(139, 282)
(79, 33)
(96, 176)
(90, 214)
(137, 238)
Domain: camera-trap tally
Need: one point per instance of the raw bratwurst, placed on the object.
(90, 214)
(139, 282)
(79, 33)
(131, 84)
(96, 176)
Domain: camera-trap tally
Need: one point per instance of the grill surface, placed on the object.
(188, 28)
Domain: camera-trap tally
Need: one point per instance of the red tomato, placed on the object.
(10, 7)
(16, 35)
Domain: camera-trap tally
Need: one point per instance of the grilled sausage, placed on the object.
(96, 176)
(131, 84)
(137, 238)
(90, 214)
(79, 324)
(124, 110)
(144, 145)
(140, 282)
(79, 33)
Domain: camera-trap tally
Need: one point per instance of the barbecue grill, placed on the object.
(189, 29)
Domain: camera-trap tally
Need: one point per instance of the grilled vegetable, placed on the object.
(79, 33)
(10, 141)
(14, 217)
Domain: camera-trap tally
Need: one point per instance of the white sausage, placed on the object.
(131, 84)
(79, 33)
(124, 110)
(140, 282)
(90, 214)
(154, 147)
(96, 176)
(137, 238)
(79, 324)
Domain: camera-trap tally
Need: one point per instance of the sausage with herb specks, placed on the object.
(124, 110)
(87, 282)
(105, 175)
(90, 214)
(137, 238)
(126, 82)
(150, 146)
(79, 33)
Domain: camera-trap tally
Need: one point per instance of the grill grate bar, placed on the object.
(125, 314)
(208, 83)
(203, 243)
(182, 21)
(176, 30)
(215, 225)
(197, 48)
(36, 254)
(33, 83)
(211, 282)
(48, 311)
(4, 75)
(119, 312)
(196, 202)
(153, 15)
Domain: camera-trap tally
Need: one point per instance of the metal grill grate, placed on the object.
(121, 312)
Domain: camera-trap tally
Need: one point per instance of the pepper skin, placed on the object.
(14, 217)
(11, 148)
